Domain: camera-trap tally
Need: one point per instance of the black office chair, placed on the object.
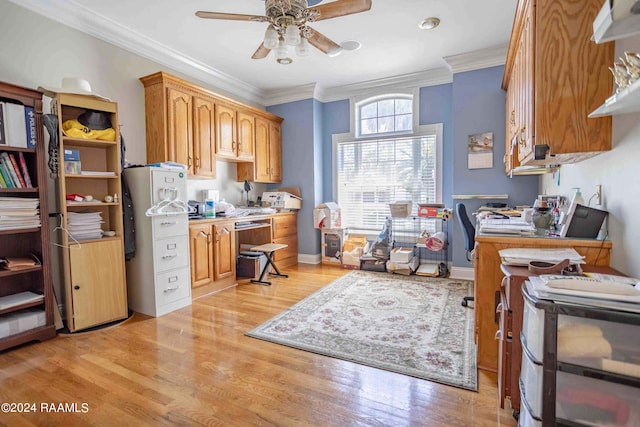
(469, 232)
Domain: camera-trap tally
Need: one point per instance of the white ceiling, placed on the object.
(392, 44)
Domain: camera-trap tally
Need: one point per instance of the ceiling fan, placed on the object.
(288, 25)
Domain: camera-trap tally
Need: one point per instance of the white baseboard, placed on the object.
(309, 259)
(462, 273)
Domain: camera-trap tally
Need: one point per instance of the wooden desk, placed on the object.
(488, 277)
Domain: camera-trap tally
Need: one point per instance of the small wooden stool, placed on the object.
(268, 250)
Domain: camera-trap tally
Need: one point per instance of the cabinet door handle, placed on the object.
(76, 287)
(233, 146)
(197, 162)
(499, 308)
(513, 118)
(522, 138)
(168, 222)
(169, 256)
(239, 146)
(498, 335)
(175, 288)
(189, 161)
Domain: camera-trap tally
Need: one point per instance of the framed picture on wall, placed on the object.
(480, 151)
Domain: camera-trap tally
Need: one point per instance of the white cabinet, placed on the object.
(159, 275)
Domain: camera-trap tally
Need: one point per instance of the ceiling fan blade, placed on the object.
(261, 52)
(341, 8)
(230, 16)
(324, 44)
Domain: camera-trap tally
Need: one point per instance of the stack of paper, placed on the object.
(506, 226)
(523, 256)
(591, 292)
(18, 212)
(85, 226)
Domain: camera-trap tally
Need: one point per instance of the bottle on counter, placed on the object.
(209, 208)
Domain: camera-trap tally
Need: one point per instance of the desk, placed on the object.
(488, 277)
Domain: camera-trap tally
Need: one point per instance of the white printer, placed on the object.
(281, 200)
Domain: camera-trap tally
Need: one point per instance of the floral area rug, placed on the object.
(407, 324)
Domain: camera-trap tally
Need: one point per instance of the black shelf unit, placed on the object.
(405, 232)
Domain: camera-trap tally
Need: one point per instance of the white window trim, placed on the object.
(382, 93)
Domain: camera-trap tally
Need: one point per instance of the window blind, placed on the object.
(372, 173)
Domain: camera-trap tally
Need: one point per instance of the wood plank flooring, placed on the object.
(195, 367)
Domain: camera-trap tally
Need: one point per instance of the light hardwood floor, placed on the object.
(195, 367)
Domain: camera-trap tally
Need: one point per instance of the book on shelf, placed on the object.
(15, 125)
(30, 126)
(16, 169)
(3, 183)
(3, 139)
(25, 170)
(72, 164)
(9, 166)
(5, 174)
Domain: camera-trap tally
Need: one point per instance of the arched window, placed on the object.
(390, 114)
(388, 158)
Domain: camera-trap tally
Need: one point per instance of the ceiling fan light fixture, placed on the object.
(271, 38)
(282, 53)
(429, 23)
(350, 45)
(292, 35)
(303, 48)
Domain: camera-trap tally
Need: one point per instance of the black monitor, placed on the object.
(585, 222)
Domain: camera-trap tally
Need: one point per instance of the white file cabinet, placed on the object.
(159, 276)
(580, 365)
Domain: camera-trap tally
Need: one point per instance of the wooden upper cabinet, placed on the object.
(179, 146)
(191, 125)
(267, 167)
(275, 151)
(554, 77)
(235, 134)
(226, 131)
(204, 137)
(246, 136)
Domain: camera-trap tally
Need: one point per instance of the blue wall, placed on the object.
(336, 120)
(473, 103)
(479, 106)
(299, 164)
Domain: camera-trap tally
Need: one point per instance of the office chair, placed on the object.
(469, 232)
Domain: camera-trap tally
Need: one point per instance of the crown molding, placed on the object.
(290, 94)
(403, 82)
(78, 17)
(483, 58)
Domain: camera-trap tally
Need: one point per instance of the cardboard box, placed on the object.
(327, 215)
(400, 209)
(401, 254)
(352, 250)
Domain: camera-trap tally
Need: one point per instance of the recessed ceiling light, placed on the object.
(429, 23)
(350, 45)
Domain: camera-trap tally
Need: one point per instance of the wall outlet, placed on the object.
(598, 195)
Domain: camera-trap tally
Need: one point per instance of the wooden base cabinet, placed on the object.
(488, 279)
(22, 242)
(285, 231)
(97, 278)
(201, 249)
